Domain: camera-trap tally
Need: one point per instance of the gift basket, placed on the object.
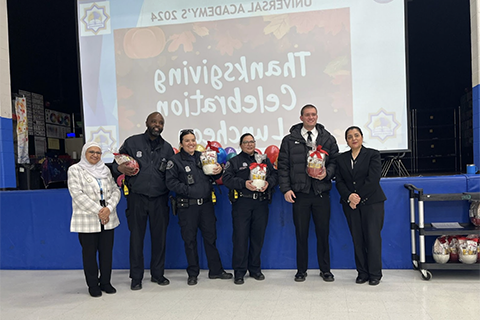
(316, 162)
(467, 249)
(441, 250)
(474, 213)
(209, 158)
(128, 160)
(453, 245)
(478, 248)
(258, 171)
(475, 237)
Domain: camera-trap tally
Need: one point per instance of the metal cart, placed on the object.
(420, 261)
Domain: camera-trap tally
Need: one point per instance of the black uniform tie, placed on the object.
(309, 139)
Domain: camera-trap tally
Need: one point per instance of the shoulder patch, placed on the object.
(227, 165)
(169, 164)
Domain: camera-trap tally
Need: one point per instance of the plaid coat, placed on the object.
(85, 193)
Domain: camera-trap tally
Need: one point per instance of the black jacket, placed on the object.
(363, 180)
(150, 180)
(179, 167)
(237, 172)
(292, 161)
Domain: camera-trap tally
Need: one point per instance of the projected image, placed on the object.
(225, 68)
(223, 78)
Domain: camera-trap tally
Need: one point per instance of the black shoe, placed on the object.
(136, 284)
(361, 280)
(161, 281)
(192, 281)
(224, 275)
(239, 281)
(374, 282)
(108, 288)
(95, 291)
(327, 276)
(300, 276)
(258, 276)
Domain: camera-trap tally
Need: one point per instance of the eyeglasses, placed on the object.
(185, 131)
(98, 153)
(248, 142)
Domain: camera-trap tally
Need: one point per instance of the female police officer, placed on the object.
(194, 206)
(249, 209)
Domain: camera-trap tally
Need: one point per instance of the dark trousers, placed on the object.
(101, 242)
(250, 218)
(366, 223)
(190, 220)
(156, 210)
(318, 207)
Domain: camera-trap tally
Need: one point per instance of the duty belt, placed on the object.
(190, 202)
(254, 195)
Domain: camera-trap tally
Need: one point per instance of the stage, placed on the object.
(35, 228)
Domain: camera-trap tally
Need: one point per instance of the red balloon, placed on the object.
(120, 179)
(258, 151)
(214, 144)
(219, 181)
(175, 150)
(272, 153)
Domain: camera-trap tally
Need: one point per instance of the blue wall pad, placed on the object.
(35, 229)
(7, 158)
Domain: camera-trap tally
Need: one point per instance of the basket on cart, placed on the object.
(419, 230)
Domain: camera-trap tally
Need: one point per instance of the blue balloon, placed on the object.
(221, 156)
(231, 155)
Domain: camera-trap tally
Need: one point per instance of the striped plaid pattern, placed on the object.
(85, 193)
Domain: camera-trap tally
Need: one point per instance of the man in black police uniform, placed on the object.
(309, 196)
(249, 210)
(147, 198)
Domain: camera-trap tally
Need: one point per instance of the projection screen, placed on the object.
(224, 68)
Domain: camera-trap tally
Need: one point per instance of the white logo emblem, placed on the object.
(95, 19)
(139, 154)
(187, 169)
(383, 125)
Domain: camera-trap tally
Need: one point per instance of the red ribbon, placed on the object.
(254, 165)
(319, 152)
(209, 146)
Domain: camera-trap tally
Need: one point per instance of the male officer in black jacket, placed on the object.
(147, 198)
(309, 196)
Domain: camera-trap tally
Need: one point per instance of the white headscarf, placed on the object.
(98, 170)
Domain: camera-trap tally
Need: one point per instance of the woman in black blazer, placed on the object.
(358, 182)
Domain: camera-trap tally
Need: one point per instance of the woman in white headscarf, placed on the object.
(95, 196)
